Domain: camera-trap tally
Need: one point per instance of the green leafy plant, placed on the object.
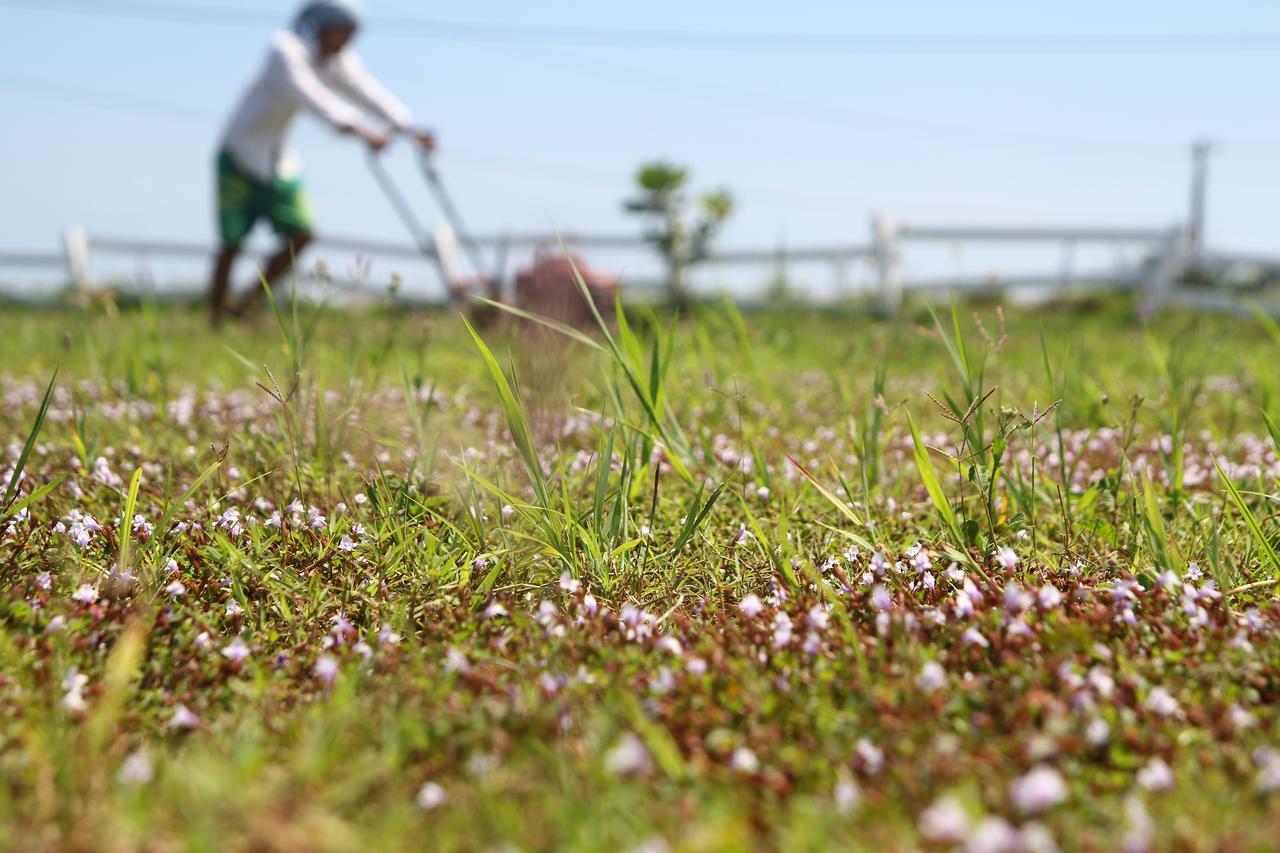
(680, 239)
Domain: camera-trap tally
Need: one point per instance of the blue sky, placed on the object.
(113, 123)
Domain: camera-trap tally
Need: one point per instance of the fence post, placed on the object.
(1169, 265)
(446, 245)
(889, 275)
(75, 245)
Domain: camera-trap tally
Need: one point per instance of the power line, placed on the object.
(559, 171)
(726, 41)
(27, 84)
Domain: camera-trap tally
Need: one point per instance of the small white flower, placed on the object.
(628, 757)
(871, 756)
(86, 594)
(932, 677)
(1102, 682)
(1049, 597)
(74, 684)
(326, 669)
(456, 661)
(881, 600)
(387, 636)
(568, 584)
(1161, 702)
(136, 769)
(669, 644)
(993, 835)
(1016, 599)
(1268, 779)
(1007, 558)
(1241, 718)
(176, 589)
(431, 796)
(183, 718)
(236, 651)
(846, 795)
(751, 606)
(744, 760)
(1041, 789)
(944, 822)
(1097, 731)
(1139, 827)
(1156, 776)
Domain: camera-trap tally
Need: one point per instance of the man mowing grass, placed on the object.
(309, 67)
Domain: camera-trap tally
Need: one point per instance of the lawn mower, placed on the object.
(546, 287)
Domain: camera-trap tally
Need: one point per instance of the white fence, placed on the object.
(1165, 258)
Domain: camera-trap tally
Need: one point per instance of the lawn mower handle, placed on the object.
(445, 202)
(407, 216)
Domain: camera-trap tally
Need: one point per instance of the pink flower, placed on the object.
(932, 677)
(1049, 597)
(944, 822)
(431, 796)
(236, 651)
(326, 669)
(751, 606)
(1007, 558)
(1041, 789)
(183, 718)
(1155, 776)
(628, 757)
(880, 598)
(1161, 702)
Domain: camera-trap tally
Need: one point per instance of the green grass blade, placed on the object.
(1251, 520)
(937, 495)
(1272, 430)
(834, 499)
(694, 522)
(38, 424)
(126, 521)
(555, 325)
(34, 496)
(517, 421)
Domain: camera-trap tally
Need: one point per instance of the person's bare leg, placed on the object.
(278, 266)
(221, 281)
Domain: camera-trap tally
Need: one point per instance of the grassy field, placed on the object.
(790, 581)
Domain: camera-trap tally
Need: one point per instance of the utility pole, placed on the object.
(1201, 150)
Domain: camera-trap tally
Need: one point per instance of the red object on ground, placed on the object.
(547, 287)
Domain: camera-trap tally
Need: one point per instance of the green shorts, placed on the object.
(244, 199)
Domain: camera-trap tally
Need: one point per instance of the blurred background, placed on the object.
(1013, 117)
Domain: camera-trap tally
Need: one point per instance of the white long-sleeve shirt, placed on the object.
(295, 79)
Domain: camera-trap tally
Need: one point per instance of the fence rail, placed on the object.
(1167, 256)
(33, 259)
